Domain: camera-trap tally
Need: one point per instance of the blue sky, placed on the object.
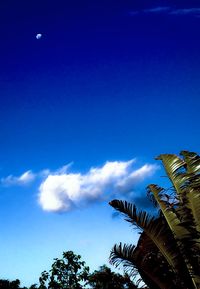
(83, 112)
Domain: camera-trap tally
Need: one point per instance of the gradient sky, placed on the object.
(107, 83)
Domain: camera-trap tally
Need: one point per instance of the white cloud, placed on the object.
(186, 11)
(25, 178)
(159, 9)
(193, 11)
(62, 191)
(28, 176)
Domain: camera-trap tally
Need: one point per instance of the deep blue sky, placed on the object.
(108, 81)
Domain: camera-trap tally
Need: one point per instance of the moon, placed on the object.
(38, 36)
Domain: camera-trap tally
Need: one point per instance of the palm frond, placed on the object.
(192, 161)
(169, 212)
(154, 228)
(175, 169)
(126, 256)
(173, 237)
(184, 221)
(145, 259)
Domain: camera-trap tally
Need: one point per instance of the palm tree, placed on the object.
(170, 243)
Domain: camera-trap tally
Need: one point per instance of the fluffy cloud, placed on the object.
(24, 179)
(63, 191)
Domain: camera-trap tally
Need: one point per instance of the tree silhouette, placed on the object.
(68, 272)
(6, 284)
(104, 278)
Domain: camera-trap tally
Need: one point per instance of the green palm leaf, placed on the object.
(175, 234)
(184, 220)
(175, 169)
(159, 234)
(192, 160)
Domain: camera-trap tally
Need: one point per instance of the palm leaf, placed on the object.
(127, 256)
(192, 161)
(159, 234)
(175, 233)
(192, 186)
(175, 169)
(184, 221)
(169, 213)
